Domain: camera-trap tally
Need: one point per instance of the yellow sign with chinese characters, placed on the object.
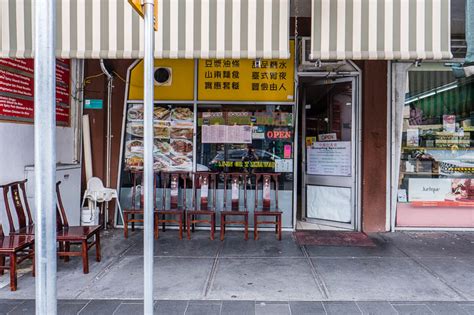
(181, 83)
(243, 80)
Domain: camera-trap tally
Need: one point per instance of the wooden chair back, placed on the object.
(236, 182)
(137, 179)
(17, 192)
(263, 187)
(61, 217)
(204, 191)
(172, 181)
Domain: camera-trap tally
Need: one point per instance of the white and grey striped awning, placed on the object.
(244, 29)
(380, 29)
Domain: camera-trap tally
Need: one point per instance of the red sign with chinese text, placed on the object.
(17, 90)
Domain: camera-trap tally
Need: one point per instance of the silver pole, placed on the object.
(45, 156)
(148, 80)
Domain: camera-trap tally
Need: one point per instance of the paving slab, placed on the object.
(380, 279)
(383, 250)
(307, 308)
(203, 307)
(457, 272)
(441, 308)
(376, 308)
(129, 308)
(238, 308)
(265, 246)
(431, 244)
(95, 307)
(468, 307)
(412, 309)
(8, 305)
(272, 309)
(175, 278)
(264, 279)
(337, 308)
(171, 307)
(169, 244)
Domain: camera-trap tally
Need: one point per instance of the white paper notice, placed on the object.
(284, 165)
(329, 158)
(226, 134)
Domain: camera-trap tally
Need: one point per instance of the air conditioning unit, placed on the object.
(163, 76)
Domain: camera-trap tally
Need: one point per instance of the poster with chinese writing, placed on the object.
(246, 80)
(329, 158)
(17, 90)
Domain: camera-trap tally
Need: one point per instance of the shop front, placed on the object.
(435, 119)
(218, 115)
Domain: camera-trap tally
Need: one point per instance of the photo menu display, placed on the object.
(173, 138)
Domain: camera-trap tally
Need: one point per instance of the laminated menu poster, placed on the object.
(226, 134)
(17, 90)
(329, 158)
(173, 138)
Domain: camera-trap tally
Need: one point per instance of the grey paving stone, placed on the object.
(307, 308)
(203, 308)
(96, 307)
(273, 279)
(382, 249)
(28, 307)
(442, 308)
(129, 308)
(238, 308)
(170, 307)
(455, 271)
(7, 305)
(468, 307)
(390, 278)
(70, 307)
(346, 308)
(266, 246)
(376, 308)
(272, 309)
(412, 309)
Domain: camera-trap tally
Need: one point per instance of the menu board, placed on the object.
(329, 158)
(226, 134)
(17, 90)
(173, 138)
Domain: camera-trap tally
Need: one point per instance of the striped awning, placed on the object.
(380, 29)
(241, 29)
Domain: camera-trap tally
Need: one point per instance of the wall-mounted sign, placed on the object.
(17, 90)
(93, 104)
(279, 134)
(329, 158)
(441, 190)
(246, 80)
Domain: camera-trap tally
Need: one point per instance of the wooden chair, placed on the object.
(237, 182)
(205, 183)
(177, 203)
(86, 236)
(17, 248)
(15, 193)
(129, 214)
(267, 210)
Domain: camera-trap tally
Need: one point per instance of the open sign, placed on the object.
(279, 134)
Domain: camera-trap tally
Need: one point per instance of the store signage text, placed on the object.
(246, 164)
(279, 134)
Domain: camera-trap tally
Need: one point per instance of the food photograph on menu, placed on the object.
(173, 138)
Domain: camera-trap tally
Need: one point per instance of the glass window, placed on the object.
(436, 180)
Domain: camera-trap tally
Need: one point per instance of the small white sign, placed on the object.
(428, 189)
(284, 165)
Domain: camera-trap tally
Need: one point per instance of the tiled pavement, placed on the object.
(405, 268)
(202, 307)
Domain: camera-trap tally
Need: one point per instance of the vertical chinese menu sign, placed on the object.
(17, 90)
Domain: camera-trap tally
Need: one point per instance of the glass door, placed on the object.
(328, 153)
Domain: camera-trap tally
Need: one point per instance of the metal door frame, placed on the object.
(321, 79)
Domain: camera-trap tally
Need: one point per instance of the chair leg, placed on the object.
(32, 252)
(133, 222)
(255, 229)
(180, 216)
(222, 226)
(61, 249)
(2, 264)
(125, 225)
(67, 248)
(85, 257)
(188, 226)
(163, 223)
(246, 226)
(98, 256)
(213, 225)
(155, 225)
(13, 279)
(279, 227)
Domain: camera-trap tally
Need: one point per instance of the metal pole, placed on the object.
(148, 80)
(45, 156)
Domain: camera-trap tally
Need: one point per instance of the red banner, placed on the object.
(17, 90)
